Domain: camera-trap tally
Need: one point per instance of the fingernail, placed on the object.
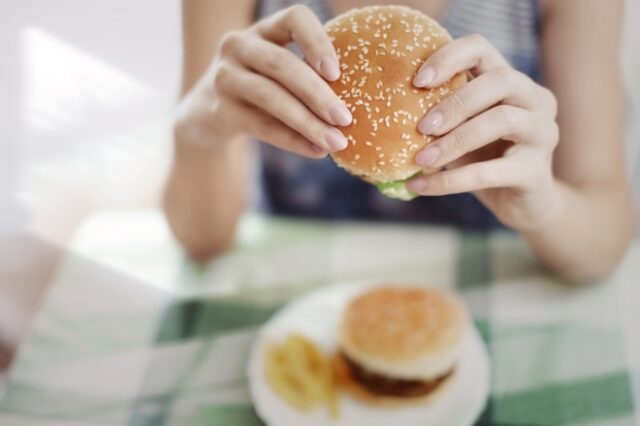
(335, 139)
(429, 156)
(329, 68)
(424, 77)
(431, 123)
(339, 113)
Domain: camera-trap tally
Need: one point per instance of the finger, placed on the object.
(274, 100)
(498, 173)
(267, 129)
(501, 122)
(500, 85)
(471, 53)
(286, 68)
(299, 23)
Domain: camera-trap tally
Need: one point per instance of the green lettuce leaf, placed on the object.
(396, 189)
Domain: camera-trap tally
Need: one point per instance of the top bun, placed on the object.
(380, 49)
(404, 333)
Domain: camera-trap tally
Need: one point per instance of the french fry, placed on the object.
(333, 385)
(276, 373)
(298, 370)
(302, 375)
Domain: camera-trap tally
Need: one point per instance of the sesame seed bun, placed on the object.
(380, 49)
(410, 334)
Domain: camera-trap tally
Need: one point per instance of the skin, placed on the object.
(556, 173)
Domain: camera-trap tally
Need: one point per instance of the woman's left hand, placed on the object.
(498, 104)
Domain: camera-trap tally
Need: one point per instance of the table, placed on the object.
(131, 332)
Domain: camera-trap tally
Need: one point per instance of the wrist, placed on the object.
(190, 149)
(194, 125)
(192, 132)
(550, 210)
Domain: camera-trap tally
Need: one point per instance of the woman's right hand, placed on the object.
(256, 86)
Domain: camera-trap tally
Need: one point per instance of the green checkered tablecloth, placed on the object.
(132, 333)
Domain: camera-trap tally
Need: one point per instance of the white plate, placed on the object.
(316, 315)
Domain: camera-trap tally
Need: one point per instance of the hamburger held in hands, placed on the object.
(380, 49)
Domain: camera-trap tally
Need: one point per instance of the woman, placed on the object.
(563, 185)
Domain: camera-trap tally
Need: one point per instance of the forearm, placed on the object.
(206, 194)
(588, 234)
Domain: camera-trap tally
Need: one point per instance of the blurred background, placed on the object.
(87, 90)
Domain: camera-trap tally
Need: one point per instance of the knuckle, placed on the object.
(222, 76)
(219, 115)
(554, 135)
(454, 105)
(274, 58)
(317, 94)
(318, 42)
(299, 11)
(321, 39)
(506, 76)
(230, 42)
(453, 182)
(457, 143)
(537, 172)
(316, 128)
(264, 125)
(519, 81)
(318, 100)
(304, 121)
(443, 182)
(457, 104)
(509, 117)
(477, 38)
(309, 93)
(263, 95)
(551, 101)
(485, 177)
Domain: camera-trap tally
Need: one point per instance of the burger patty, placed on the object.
(382, 385)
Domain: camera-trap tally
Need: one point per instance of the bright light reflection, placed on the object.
(96, 137)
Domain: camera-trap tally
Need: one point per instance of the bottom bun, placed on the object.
(349, 384)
